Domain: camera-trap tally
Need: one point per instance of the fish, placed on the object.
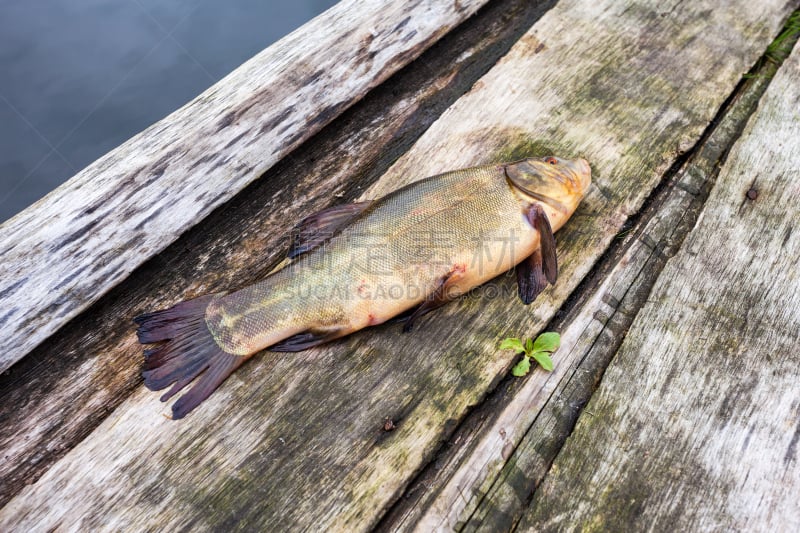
(360, 264)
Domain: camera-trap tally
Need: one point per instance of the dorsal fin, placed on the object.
(317, 228)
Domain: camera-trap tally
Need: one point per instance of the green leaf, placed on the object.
(512, 344)
(522, 368)
(528, 346)
(547, 342)
(544, 360)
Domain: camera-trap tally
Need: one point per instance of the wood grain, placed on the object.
(298, 441)
(64, 388)
(452, 502)
(697, 421)
(64, 252)
(593, 330)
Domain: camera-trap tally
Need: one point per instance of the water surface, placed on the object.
(78, 78)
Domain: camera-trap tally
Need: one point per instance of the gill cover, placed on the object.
(550, 180)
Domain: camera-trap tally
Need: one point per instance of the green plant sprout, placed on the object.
(539, 350)
(779, 49)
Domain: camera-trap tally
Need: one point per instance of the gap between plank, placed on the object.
(742, 102)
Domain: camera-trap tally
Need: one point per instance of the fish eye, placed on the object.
(551, 160)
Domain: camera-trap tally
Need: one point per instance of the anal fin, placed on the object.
(305, 340)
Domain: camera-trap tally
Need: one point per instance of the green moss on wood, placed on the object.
(521, 146)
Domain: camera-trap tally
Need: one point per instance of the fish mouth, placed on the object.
(582, 172)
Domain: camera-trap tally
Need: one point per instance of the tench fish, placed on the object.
(361, 264)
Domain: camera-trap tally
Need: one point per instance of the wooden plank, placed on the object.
(696, 423)
(298, 441)
(56, 395)
(71, 247)
(470, 483)
(503, 450)
(594, 329)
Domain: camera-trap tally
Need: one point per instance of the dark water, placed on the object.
(78, 78)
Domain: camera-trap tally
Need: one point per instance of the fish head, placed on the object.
(559, 183)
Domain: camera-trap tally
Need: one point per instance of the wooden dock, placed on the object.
(675, 399)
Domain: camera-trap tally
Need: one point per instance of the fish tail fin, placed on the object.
(186, 350)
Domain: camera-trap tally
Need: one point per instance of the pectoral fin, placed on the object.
(530, 277)
(541, 266)
(315, 229)
(547, 242)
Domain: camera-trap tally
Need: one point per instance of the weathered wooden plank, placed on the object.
(49, 401)
(484, 480)
(72, 246)
(696, 423)
(594, 330)
(298, 441)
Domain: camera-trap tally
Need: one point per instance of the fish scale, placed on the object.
(379, 248)
(361, 264)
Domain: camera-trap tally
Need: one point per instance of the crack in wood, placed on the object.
(729, 413)
(693, 174)
(48, 396)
